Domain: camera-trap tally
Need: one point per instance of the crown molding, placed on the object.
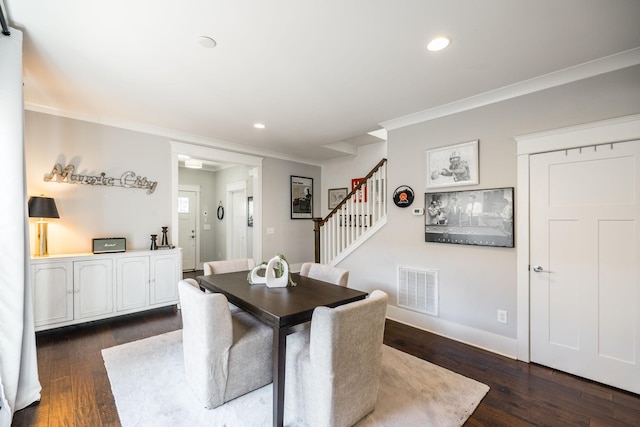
(170, 134)
(582, 71)
(603, 132)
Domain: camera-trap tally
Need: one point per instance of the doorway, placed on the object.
(237, 223)
(227, 157)
(188, 229)
(585, 275)
(579, 269)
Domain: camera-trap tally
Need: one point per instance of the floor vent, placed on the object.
(418, 290)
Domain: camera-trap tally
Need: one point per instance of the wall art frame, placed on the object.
(250, 211)
(472, 217)
(453, 165)
(301, 190)
(361, 195)
(336, 195)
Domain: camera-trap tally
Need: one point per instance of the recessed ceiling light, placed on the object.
(207, 42)
(438, 43)
(193, 163)
(259, 126)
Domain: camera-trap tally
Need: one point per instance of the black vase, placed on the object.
(165, 239)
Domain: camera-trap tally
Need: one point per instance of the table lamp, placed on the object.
(42, 207)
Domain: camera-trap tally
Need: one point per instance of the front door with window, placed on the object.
(187, 228)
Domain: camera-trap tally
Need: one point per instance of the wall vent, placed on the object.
(418, 289)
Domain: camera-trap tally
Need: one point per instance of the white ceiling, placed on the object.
(317, 73)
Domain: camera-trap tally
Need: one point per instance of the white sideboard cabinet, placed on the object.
(77, 288)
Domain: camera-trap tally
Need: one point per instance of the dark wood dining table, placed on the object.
(282, 309)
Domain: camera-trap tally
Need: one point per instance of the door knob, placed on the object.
(538, 269)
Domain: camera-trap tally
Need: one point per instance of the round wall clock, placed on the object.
(403, 196)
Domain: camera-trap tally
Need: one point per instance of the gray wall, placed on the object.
(292, 237)
(206, 180)
(223, 178)
(476, 281)
(90, 211)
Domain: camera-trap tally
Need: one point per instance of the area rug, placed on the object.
(149, 386)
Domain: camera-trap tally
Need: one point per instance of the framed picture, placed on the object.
(453, 165)
(476, 217)
(301, 197)
(362, 193)
(250, 211)
(336, 195)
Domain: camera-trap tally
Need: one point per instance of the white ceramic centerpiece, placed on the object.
(275, 273)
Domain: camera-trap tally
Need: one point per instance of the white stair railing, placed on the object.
(358, 216)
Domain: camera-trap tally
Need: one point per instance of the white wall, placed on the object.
(339, 172)
(87, 211)
(475, 281)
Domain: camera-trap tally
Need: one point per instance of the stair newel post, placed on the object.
(317, 222)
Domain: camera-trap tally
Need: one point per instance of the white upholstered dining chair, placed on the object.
(228, 266)
(333, 370)
(226, 353)
(326, 273)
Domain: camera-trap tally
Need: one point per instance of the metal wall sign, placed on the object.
(128, 179)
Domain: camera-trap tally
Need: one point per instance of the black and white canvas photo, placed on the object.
(454, 165)
(301, 197)
(478, 217)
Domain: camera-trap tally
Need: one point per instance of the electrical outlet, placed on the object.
(502, 316)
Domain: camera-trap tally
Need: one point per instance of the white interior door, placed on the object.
(187, 230)
(237, 225)
(585, 262)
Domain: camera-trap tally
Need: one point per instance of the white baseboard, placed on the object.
(485, 340)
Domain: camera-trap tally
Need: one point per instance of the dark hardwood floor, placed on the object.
(76, 390)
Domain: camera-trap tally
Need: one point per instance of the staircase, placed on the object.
(359, 216)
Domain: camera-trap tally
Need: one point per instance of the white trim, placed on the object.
(478, 338)
(360, 241)
(256, 174)
(232, 187)
(602, 132)
(625, 128)
(210, 153)
(586, 70)
(522, 256)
